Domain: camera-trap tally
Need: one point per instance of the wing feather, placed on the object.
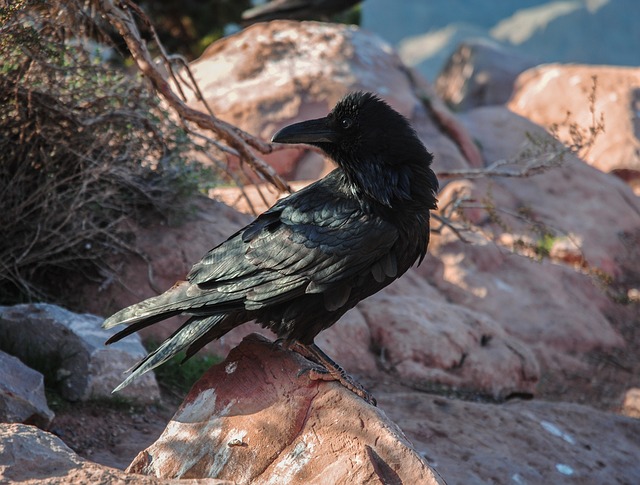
(308, 242)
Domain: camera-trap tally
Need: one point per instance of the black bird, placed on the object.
(297, 10)
(315, 254)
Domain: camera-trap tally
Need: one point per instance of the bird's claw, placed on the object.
(316, 372)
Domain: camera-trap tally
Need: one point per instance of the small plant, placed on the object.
(178, 375)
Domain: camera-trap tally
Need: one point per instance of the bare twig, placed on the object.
(532, 166)
(120, 17)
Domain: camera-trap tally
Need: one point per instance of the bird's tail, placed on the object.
(182, 297)
(192, 331)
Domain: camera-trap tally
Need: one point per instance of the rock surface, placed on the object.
(256, 419)
(33, 457)
(480, 73)
(22, 398)
(576, 203)
(69, 347)
(427, 33)
(519, 442)
(271, 75)
(552, 94)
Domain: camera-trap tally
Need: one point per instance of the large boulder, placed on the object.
(589, 213)
(479, 73)
(69, 349)
(31, 456)
(553, 301)
(22, 398)
(427, 33)
(276, 73)
(518, 442)
(560, 95)
(259, 418)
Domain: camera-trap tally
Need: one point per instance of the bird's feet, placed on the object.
(325, 369)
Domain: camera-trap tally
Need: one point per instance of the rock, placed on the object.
(33, 457)
(595, 211)
(22, 398)
(426, 341)
(259, 197)
(631, 403)
(552, 307)
(273, 74)
(551, 310)
(519, 442)
(69, 348)
(169, 252)
(256, 419)
(427, 33)
(480, 72)
(559, 95)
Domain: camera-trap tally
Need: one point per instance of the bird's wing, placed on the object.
(314, 241)
(311, 242)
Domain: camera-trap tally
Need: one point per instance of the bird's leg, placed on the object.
(330, 370)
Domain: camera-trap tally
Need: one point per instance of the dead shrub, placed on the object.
(83, 147)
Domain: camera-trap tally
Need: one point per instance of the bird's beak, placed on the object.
(310, 132)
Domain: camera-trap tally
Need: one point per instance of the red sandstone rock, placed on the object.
(272, 74)
(480, 72)
(553, 93)
(518, 442)
(31, 456)
(595, 210)
(255, 419)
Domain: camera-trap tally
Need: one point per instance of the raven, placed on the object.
(296, 9)
(299, 266)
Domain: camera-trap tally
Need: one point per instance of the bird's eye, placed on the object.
(346, 123)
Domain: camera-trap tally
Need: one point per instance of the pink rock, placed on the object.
(272, 74)
(30, 456)
(518, 442)
(631, 403)
(552, 93)
(254, 419)
(425, 340)
(480, 72)
(551, 306)
(573, 200)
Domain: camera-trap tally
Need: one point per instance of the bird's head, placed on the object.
(376, 147)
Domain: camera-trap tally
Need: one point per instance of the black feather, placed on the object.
(315, 254)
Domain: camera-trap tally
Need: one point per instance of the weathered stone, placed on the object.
(258, 418)
(426, 341)
(276, 73)
(560, 95)
(519, 442)
(22, 398)
(479, 73)
(631, 403)
(33, 457)
(572, 201)
(69, 347)
(548, 305)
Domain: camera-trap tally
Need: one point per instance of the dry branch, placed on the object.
(243, 143)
